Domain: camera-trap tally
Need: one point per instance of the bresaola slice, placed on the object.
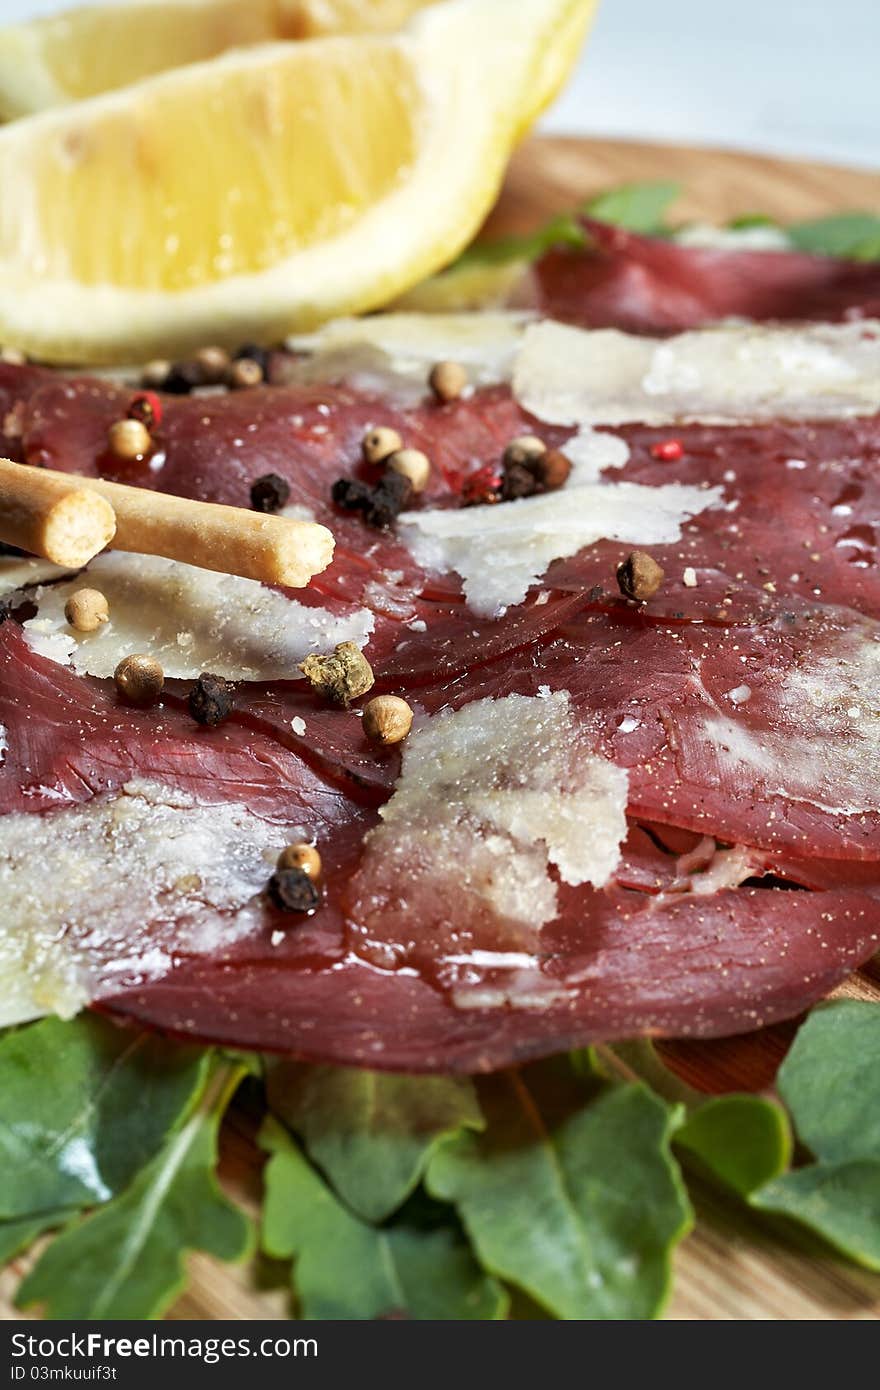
(652, 285)
(69, 739)
(737, 736)
(797, 521)
(607, 964)
(613, 964)
(765, 735)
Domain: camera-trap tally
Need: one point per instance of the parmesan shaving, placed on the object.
(760, 237)
(384, 351)
(489, 797)
(133, 879)
(17, 572)
(824, 746)
(191, 620)
(571, 376)
(501, 551)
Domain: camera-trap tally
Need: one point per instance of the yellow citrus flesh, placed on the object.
(556, 59)
(159, 219)
(311, 18)
(265, 190)
(100, 48)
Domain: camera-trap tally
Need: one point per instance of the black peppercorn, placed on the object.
(380, 505)
(293, 891)
(181, 379)
(254, 353)
(351, 494)
(390, 496)
(269, 493)
(210, 700)
(519, 481)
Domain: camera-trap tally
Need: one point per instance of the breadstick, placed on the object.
(53, 515)
(233, 540)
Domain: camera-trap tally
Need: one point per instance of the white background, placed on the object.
(799, 77)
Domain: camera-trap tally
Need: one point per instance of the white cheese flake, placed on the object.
(145, 855)
(393, 353)
(760, 237)
(573, 376)
(191, 620)
(501, 551)
(491, 795)
(298, 511)
(740, 694)
(17, 572)
(815, 751)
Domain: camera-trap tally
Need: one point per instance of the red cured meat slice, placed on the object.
(69, 739)
(799, 517)
(214, 448)
(614, 965)
(649, 285)
(606, 968)
(757, 735)
(798, 521)
(642, 955)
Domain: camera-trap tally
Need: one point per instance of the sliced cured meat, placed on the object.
(469, 924)
(798, 519)
(132, 839)
(792, 493)
(215, 448)
(650, 285)
(613, 961)
(615, 964)
(68, 739)
(762, 735)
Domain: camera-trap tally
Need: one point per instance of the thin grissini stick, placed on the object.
(233, 540)
(53, 515)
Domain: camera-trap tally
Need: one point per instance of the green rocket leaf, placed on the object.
(372, 1133)
(126, 1260)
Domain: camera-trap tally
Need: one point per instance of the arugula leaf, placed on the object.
(126, 1260)
(830, 1082)
(852, 235)
(743, 1140)
(750, 219)
(346, 1268)
(22, 1231)
(639, 207)
(371, 1133)
(83, 1105)
(563, 230)
(838, 1201)
(576, 1200)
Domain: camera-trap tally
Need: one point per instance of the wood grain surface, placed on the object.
(732, 1267)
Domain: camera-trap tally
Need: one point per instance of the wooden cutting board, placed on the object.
(731, 1267)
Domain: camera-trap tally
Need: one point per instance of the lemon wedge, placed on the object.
(266, 190)
(99, 48)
